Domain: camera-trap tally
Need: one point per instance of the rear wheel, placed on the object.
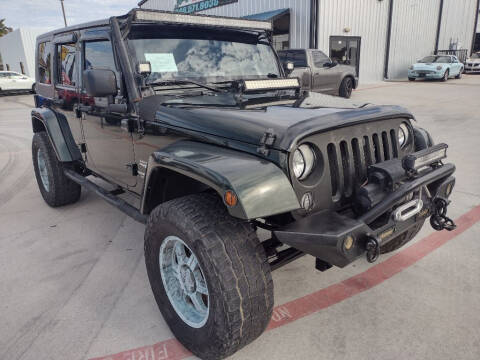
(55, 187)
(209, 275)
(446, 75)
(346, 87)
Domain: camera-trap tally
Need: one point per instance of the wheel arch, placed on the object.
(262, 189)
(58, 131)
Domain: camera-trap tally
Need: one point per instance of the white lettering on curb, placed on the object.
(280, 314)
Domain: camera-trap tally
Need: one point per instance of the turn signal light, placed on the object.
(230, 198)
(348, 242)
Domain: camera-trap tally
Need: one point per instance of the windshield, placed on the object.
(475, 56)
(206, 56)
(436, 59)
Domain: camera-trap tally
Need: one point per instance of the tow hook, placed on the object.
(373, 249)
(439, 219)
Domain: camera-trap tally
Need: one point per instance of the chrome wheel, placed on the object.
(184, 282)
(42, 169)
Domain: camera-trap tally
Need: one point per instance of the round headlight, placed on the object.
(303, 161)
(403, 135)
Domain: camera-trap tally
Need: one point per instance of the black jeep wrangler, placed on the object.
(190, 125)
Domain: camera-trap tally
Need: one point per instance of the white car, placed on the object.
(473, 63)
(13, 81)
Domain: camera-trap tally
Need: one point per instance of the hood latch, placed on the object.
(267, 141)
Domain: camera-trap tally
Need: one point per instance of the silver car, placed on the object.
(317, 72)
(473, 63)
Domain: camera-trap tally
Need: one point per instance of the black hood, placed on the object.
(288, 120)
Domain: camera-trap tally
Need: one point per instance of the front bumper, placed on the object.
(416, 74)
(472, 68)
(324, 234)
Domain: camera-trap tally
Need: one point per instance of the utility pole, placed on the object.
(63, 11)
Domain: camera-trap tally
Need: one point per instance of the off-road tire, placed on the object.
(445, 75)
(459, 76)
(62, 190)
(346, 88)
(235, 269)
(401, 239)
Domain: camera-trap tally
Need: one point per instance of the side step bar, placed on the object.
(121, 204)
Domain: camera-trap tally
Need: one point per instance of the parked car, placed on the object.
(317, 72)
(473, 63)
(13, 81)
(440, 67)
(218, 143)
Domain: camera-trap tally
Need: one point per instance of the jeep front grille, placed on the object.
(348, 160)
(343, 156)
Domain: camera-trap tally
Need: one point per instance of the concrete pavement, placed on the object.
(73, 283)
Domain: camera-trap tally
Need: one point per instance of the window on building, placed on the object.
(44, 63)
(67, 71)
(319, 58)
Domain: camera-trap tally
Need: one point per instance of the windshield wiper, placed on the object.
(185, 82)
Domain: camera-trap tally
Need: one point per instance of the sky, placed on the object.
(48, 13)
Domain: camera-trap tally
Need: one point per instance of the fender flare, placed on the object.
(261, 187)
(58, 131)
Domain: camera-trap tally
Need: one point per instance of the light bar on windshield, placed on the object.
(274, 84)
(177, 18)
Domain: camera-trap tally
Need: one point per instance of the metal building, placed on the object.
(17, 50)
(381, 38)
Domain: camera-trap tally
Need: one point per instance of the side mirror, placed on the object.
(100, 82)
(289, 67)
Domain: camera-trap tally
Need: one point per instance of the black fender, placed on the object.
(261, 187)
(58, 131)
(422, 138)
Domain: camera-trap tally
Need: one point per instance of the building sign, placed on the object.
(193, 6)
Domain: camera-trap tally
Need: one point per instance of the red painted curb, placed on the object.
(289, 312)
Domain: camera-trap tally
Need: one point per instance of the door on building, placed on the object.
(346, 50)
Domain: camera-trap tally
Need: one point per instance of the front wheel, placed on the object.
(209, 275)
(346, 87)
(459, 76)
(446, 75)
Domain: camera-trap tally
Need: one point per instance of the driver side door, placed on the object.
(109, 145)
(324, 77)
